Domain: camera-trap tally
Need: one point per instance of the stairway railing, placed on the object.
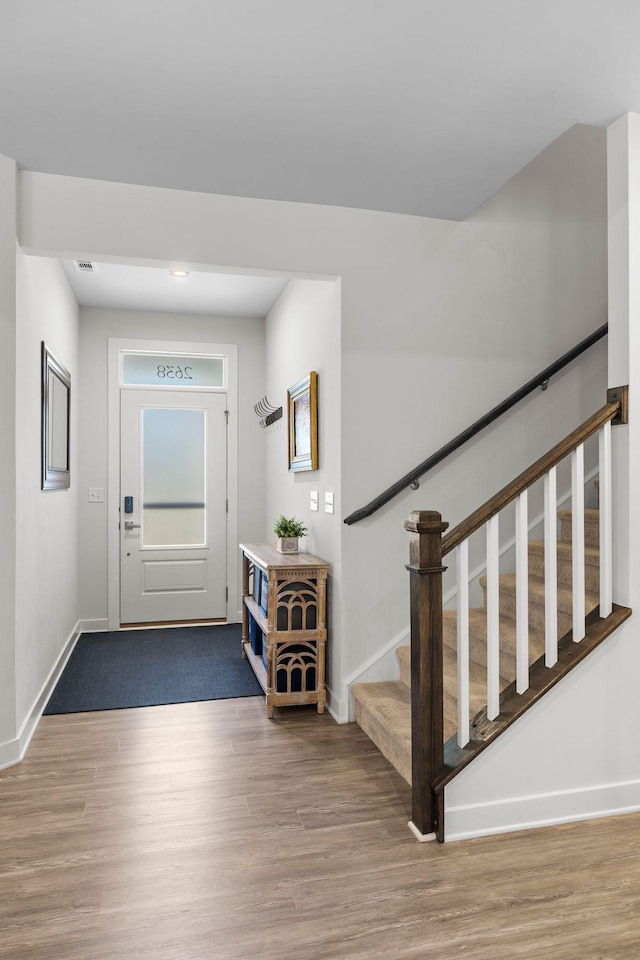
(541, 380)
(428, 548)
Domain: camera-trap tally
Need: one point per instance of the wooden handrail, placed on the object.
(540, 380)
(537, 470)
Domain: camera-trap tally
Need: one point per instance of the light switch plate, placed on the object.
(96, 494)
(313, 500)
(328, 502)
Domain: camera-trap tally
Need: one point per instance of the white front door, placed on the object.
(172, 506)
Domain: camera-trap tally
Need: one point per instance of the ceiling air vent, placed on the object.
(85, 266)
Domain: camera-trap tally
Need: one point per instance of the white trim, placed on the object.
(550, 569)
(116, 347)
(577, 542)
(525, 813)
(346, 710)
(422, 837)
(334, 707)
(522, 593)
(493, 616)
(462, 636)
(93, 626)
(389, 647)
(605, 520)
(13, 751)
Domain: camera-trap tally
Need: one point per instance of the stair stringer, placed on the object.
(564, 759)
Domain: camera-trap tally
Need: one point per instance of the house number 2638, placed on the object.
(172, 372)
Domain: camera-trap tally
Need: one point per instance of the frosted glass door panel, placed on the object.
(173, 477)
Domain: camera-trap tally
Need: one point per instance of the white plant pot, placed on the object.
(287, 544)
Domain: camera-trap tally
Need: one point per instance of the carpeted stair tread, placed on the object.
(591, 526)
(478, 641)
(449, 672)
(564, 563)
(537, 602)
(536, 596)
(449, 692)
(383, 711)
(477, 683)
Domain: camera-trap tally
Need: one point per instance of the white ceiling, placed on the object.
(415, 106)
(121, 286)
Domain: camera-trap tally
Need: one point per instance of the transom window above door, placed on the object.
(173, 371)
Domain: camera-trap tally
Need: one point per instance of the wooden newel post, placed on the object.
(426, 528)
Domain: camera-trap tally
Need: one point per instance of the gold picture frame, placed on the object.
(302, 405)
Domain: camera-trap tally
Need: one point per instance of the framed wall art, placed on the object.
(56, 408)
(302, 403)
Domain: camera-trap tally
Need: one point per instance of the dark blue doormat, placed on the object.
(144, 668)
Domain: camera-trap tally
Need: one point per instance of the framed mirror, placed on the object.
(56, 407)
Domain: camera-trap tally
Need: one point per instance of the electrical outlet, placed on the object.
(96, 494)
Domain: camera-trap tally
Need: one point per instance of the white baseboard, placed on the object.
(13, 751)
(9, 754)
(526, 813)
(334, 706)
(93, 626)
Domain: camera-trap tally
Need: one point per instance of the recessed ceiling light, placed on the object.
(181, 274)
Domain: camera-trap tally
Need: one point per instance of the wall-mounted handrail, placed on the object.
(538, 381)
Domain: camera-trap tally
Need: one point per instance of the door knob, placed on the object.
(130, 525)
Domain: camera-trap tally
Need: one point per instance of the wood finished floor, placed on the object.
(207, 832)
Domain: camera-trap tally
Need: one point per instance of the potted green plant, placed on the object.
(287, 531)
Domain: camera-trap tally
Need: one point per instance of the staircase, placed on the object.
(413, 720)
(383, 710)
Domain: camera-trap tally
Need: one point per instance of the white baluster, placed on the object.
(493, 619)
(462, 567)
(577, 541)
(606, 555)
(550, 569)
(522, 594)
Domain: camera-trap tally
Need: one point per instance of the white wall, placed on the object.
(303, 334)
(96, 327)
(461, 322)
(439, 321)
(8, 231)
(46, 520)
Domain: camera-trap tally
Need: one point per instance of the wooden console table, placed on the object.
(284, 627)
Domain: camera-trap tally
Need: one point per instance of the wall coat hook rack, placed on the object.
(266, 412)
